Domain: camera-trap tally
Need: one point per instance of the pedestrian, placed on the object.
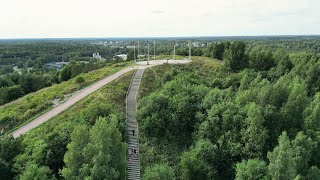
(133, 131)
(134, 151)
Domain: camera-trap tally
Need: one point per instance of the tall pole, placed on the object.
(174, 50)
(138, 51)
(148, 54)
(189, 50)
(154, 50)
(134, 51)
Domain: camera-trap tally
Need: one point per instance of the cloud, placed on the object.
(289, 13)
(101, 18)
(158, 12)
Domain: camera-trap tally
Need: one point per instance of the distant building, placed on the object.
(96, 55)
(56, 65)
(122, 56)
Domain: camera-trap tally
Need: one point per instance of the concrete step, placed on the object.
(133, 168)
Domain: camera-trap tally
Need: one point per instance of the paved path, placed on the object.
(85, 92)
(132, 127)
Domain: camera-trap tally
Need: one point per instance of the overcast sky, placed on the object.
(141, 18)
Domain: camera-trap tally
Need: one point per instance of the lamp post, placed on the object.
(138, 51)
(134, 51)
(148, 54)
(154, 50)
(174, 50)
(189, 50)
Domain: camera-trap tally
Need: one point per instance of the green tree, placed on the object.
(293, 109)
(311, 126)
(65, 72)
(200, 161)
(35, 172)
(10, 148)
(218, 51)
(311, 116)
(55, 150)
(14, 92)
(254, 135)
(76, 70)
(29, 63)
(20, 64)
(131, 55)
(75, 158)
(313, 173)
(282, 60)
(80, 80)
(261, 58)
(106, 150)
(98, 154)
(302, 149)
(159, 172)
(252, 169)
(5, 171)
(282, 165)
(235, 56)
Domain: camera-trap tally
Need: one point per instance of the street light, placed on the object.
(154, 50)
(189, 50)
(148, 54)
(174, 50)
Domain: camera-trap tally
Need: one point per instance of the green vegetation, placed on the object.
(24, 109)
(51, 149)
(159, 172)
(97, 153)
(249, 110)
(255, 116)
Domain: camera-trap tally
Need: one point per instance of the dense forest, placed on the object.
(242, 112)
(256, 116)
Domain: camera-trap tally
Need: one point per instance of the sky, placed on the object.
(157, 18)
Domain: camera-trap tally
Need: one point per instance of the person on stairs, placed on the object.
(133, 131)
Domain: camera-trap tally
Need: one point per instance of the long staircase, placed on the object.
(133, 168)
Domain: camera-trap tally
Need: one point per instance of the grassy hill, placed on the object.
(25, 109)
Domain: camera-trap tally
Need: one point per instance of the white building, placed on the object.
(96, 55)
(123, 56)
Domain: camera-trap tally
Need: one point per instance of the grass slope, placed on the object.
(46, 144)
(25, 109)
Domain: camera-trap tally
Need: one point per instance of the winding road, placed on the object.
(85, 92)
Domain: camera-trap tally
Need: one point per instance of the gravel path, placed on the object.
(85, 92)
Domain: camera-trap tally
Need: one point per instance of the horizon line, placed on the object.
(160, 37)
